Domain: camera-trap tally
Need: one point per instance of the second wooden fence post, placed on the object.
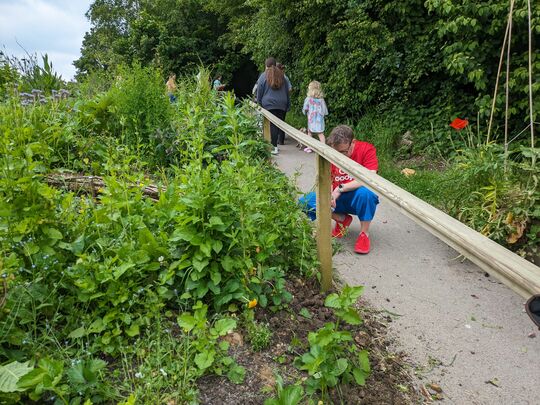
(324, 222)
(266, 129)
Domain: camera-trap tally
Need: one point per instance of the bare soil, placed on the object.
(389, 383)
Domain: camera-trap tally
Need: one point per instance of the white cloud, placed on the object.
(55, 27)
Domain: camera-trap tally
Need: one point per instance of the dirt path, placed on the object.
(464, 331)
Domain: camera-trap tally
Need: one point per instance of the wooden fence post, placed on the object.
(324, 222)
(266, 129)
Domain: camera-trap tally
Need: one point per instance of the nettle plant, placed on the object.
(209, 352)
(333, 357)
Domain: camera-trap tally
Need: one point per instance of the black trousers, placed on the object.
(276, 134)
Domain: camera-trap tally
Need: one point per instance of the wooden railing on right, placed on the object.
(517, 273)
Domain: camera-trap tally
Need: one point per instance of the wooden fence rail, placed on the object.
(517, 273)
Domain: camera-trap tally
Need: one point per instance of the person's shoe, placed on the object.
(308, 150)
(341, 227)
(275, 151)
(362, 244)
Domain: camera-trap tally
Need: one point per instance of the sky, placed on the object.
(55, 27)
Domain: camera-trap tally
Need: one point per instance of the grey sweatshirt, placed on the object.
(272, 99)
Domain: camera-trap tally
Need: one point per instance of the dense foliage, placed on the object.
(423, 62)
(438, 54)
(89, 277)
(174, 35)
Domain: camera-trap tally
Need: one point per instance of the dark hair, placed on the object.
(275, 77)
(270, 61)
(340, 135)
(280, 66)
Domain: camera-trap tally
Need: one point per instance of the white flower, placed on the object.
(160, 259)
(163, 372)
(138, 374)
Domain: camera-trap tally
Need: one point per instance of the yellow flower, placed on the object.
(252, 303)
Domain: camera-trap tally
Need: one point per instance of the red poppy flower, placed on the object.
(459, 124)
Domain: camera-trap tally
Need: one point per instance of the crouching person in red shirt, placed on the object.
(349, 196)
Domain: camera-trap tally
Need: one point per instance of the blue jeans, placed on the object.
(361, 202)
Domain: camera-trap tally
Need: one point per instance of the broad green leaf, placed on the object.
(32, 379)
(77, 333)
(236, 374)
(75, 374)
(205, 359)
(133, 330)
(54, 369)
(187, 322)
(132, 400)
(224, 326)
(341, 366)
(77, 246)
(363, 359)
(332, 301)
(118, 271)
(216, 277)
(217, 245)
(10, 375)
(290, 395)
(206, 248)
(216, 221)
(352, 293)
(305, 313)
(97, 326)
(53, 233)
(182, 234)
(359, 376)
(85, 372)
(351, 316)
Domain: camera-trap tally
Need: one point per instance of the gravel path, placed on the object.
(463, 331)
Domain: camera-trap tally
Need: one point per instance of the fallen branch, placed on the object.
(91, 184)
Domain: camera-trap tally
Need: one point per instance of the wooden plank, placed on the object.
(266, 129)
(324, 222)
(517, 273)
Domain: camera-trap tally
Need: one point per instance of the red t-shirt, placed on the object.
(363, 153)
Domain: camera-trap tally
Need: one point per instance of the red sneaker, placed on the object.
(341, 227)
(362, 244)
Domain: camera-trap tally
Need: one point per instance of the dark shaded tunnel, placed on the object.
(244, 78)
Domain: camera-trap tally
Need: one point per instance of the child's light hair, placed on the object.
(314, 90)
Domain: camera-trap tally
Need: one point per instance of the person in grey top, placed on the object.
(273, 95)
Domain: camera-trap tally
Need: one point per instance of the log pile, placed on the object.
(90, 184)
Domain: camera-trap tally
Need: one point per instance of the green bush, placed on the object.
(90, 275)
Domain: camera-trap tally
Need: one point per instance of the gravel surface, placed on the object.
(464, 331)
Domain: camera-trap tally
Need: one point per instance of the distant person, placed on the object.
(282, 68)
(273, 95)
(217, 85)
(315, 109)
(171, 87)
(349, 196)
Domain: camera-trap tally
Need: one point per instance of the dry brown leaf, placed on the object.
(267, 375)
(515, 236)
(408, 172)
(435, 387)
(234, 339)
